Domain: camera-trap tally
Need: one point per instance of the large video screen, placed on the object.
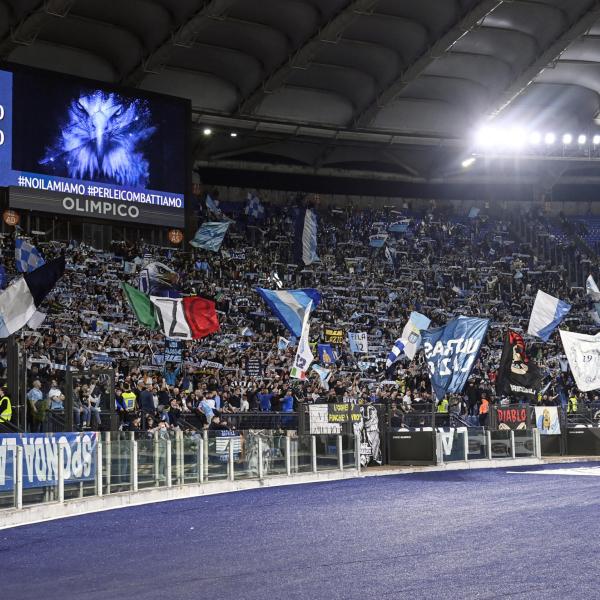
(78, 137)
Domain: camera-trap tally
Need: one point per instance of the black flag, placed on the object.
(518, 375)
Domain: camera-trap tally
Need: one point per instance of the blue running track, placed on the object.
(470, 534)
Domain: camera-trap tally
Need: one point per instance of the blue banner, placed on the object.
(40, 458)
(451, 353)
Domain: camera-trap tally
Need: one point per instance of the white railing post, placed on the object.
(134, 466)
(18, 476)
(99, 489)
(513, 452)
(439, 449)
(357, 451)
(169, 468)
(156, 456)
(179, 456)
(230, 465)
(206, 457)
(107, 453)
(61, 471)
(260, 458)
(489, 444)
(340, 452)
(538, 443)
(288, 456)
(200, 459)
(466, 442)
(313, 452)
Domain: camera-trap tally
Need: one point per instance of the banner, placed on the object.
(358, 342)
(583, 354)
(370, 438)
(254, 367)
(512, 417)
(378, 240)
(343, 413)
(327, 354)
(518, 375)
(334, 336)
(40, 458)
(546, 420)
(451, 352)
(173, 350)
(304, 356)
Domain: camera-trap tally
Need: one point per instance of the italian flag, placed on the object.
(189, 318)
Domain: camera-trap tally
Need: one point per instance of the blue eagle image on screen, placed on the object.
(101, 140)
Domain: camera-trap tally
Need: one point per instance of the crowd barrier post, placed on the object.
(61, 471)
(260, 458)
(340, 453)
(513, 451)
(99, 466)
(134, 465)
(205, 445)
(230, 464)
(18, 476)
(489, 444)
(107, 452)
(156, 453)
(288, 457)
(466, 444)
(200, 460)
(169, 467)
(439, 450)
(179, 456)
(537, 440)
(313, 452)
(357, 451)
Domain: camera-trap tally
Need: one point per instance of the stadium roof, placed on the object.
(383, 89)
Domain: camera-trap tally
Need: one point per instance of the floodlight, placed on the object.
(535, 138)
(567, 139)
(468, 162)
(596, 140)
(582, 139)
(486, 136)
(549, 139)
(233, 134)
(207, 131)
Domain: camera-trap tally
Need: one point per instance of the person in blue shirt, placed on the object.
(265, 398)
(287, 402)
(171, 375)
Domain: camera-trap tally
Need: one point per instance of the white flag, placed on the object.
(411, 334)
(304, 356)
(583, 354)
(592, 289)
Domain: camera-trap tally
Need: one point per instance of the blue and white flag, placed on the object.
(326, 354)
(378, 240)
(254, 208)
(210, 235)
(213, 205)
(547, 314)
(399, 226)
(358, 342)
(289, 306)
(394, 353)
(592, 289)
(411, 334)
(305, 236)
(304, 356)
(27, 256)
(474, 212)
(324, 375)
(451, 352)
(282, 344)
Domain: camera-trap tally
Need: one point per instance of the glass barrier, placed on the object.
(478, 443)
(524, 444)
(501, 444)
(453, 444)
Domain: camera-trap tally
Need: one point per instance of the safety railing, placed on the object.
(41, 468)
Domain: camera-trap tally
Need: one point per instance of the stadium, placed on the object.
(299, 298)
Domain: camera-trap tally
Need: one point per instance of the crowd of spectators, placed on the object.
(443, 265)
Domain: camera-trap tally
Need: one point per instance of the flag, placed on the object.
(254, 209)
(399, 226)
(36, 320)
(583, 354)
(592, 289)
(213, 205)
(451, 352)
(141, 306)
(324, 375)
(394, 353)
(19, 302)
(474, 212)
(210, 235)
(378, 240)
(289, 306)
(282, 344)
(358, 342)
(326, 354)
(305, 229)
(304, 356)
(188, 318)
(411, 334)
(518, 375)
(27, 256)
(546, 316)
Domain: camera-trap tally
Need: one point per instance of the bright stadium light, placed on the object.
(582, 139)
(596, 140)
(535, 138)
(549, 139)
(567, 139)
(486, 136)
(468, 162)
(207, 131)
(233, 134)
(516, 138)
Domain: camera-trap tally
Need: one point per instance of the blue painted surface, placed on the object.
(479, 534)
